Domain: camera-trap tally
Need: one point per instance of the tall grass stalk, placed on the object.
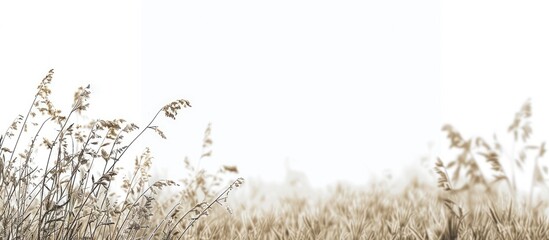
(67, 192)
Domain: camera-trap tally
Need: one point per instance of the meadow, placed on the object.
(61, 179)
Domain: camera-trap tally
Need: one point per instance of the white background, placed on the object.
(341, 90)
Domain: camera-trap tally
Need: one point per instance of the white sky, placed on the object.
(344, 89)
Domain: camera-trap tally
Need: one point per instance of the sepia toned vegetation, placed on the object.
(60, 184)
(61, 179)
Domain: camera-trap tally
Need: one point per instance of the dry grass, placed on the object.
(376, 212)
(65, 184)
(61, 184)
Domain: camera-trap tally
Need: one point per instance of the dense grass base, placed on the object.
(376, 212)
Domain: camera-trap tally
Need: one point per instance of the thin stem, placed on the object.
(160, 224)
(23, 126)
(534, 175)
(204, 211)
(94, 185)
(43, 184)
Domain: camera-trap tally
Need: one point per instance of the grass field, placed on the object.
(60, 179)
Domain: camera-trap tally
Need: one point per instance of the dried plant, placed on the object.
(494, 155)
(61, 185)
(61, 179)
